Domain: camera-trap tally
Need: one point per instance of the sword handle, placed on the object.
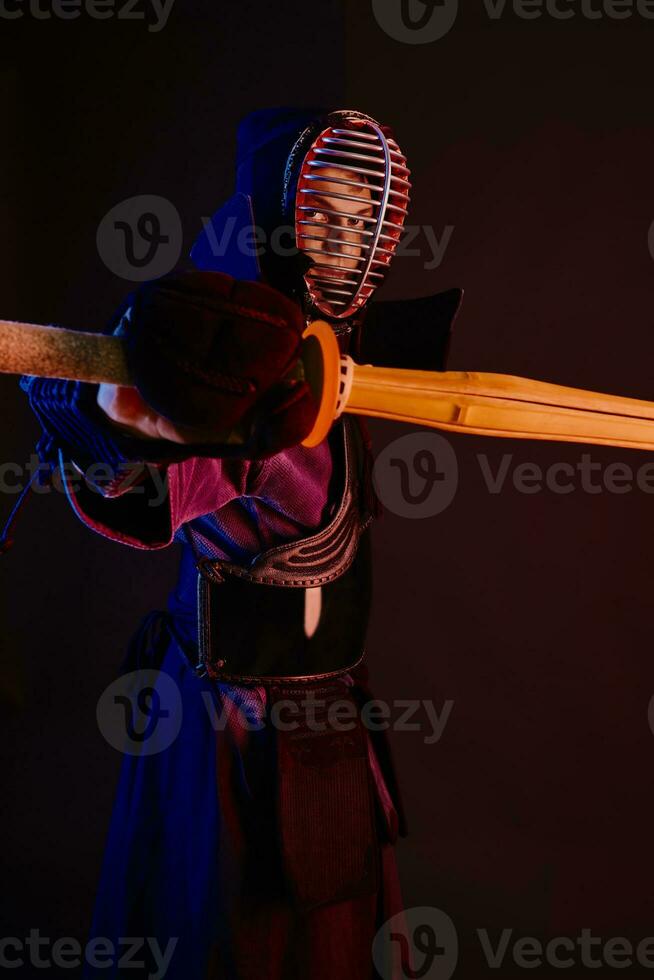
(53, 352)
(483, 404)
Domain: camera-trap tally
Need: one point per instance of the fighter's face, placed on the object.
(333, 240)
(351, 201)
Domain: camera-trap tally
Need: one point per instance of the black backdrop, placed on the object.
(530, 612)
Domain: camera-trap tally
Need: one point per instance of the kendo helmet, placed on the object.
(325, 194)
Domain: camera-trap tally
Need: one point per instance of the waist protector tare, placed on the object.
(299, 610)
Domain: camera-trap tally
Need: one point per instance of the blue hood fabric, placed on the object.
(263, 199)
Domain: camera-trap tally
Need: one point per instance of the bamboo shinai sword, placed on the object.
(456, 401)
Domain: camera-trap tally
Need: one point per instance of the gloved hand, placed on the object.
(208, 355)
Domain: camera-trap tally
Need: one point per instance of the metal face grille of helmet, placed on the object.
(351, 203)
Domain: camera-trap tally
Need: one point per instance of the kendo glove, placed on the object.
(212, 355)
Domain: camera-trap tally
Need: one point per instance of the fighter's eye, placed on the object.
(355, 222)
(316, 215)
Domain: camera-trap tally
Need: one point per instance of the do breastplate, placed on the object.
(299, 610)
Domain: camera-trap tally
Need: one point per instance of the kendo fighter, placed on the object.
(259, 842)
(265, 849)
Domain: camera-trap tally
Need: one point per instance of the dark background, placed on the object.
(532, 613)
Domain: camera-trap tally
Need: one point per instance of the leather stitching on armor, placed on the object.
(336, 545)
(274, 567)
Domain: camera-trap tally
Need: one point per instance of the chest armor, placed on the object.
(299, 610)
